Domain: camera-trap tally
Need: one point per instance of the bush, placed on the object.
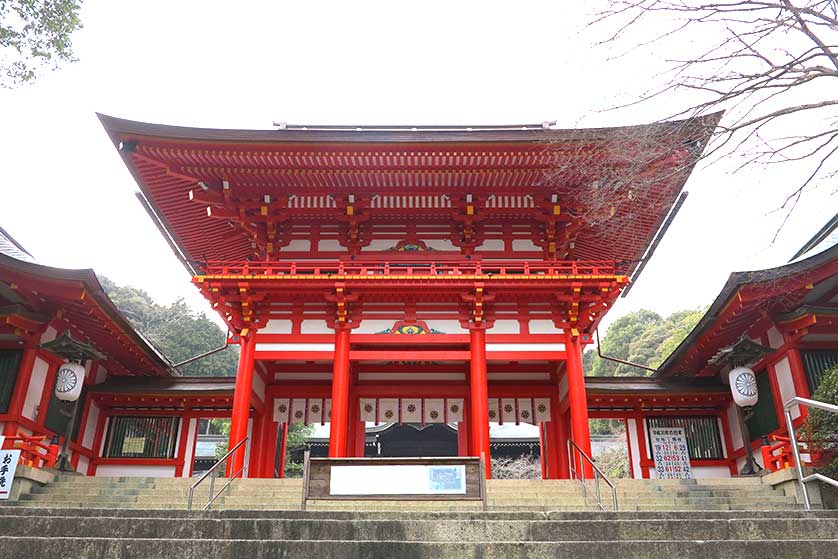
(821, 427)
(523, 467)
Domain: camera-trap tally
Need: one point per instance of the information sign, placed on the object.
(398, 480)
(670, 452)
(8, 466)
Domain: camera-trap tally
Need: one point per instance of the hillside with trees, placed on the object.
(643, 337)
(177, 331)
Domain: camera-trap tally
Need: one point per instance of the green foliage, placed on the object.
(642, 337)
(613, 462)
(821, 427)
(35, 34)
(178, 331)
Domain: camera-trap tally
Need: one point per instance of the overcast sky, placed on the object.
(67, 197)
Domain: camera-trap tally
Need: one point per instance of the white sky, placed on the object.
(67, 197)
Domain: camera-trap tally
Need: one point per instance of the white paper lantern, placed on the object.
(69, 382)
(743, 386)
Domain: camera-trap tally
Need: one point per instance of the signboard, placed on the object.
(8, 466)
(670, 452)
(399, 479)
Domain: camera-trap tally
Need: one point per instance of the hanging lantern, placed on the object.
(69, 382)
(743, 386)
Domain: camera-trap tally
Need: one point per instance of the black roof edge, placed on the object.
(734, 281)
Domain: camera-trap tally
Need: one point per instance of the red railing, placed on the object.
(779, 456)
(373, 268)
(33, 451)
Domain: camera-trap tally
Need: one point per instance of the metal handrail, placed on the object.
(580, 475)
(797, 400)
(212, 494)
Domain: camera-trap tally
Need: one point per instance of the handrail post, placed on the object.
(797, 400)
(211, 491)
(797, 460)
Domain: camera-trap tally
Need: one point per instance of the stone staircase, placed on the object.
(503, 495)
(159, 534)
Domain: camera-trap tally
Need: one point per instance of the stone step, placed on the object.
(28, 547)
(422, 530)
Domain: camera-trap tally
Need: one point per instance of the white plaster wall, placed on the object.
(298, 245)
(277, 327)
(523, 244)
(735, 429)
(701, 472)
(112, 470)
(782, 369)
(191, 432)
(83, 465)
(377, 245)
(259, 387)
(447, 326)
(491, 244)
(634, 448)
(90, 426)
(315, 327)
(441, 244)
(524, 347)
(35, 389)
(775, 338)
(563, 388)
(506, 327)
(330, 244)
(295, 347)
(101, 374)
(373, 326)
(540, 326)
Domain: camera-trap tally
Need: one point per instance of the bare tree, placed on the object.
(763, 61)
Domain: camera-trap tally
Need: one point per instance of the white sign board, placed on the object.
(8, 466)
(670, 452)
(398, 480)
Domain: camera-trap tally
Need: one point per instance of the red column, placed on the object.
(542, 442)
(254, 468)
(241, 402)
(480, 397)
(24, 374)
(563, 432)
(578, 399)
(283, 450)
(462, 439)
(339, 424)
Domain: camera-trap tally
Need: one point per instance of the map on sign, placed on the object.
(670, 452)
(398, 480)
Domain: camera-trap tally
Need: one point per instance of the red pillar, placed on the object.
(241, 402)
(462, 438)
(254, 468)
(578, 399)
(480, 397)
(339, 424)
(24, 375)
(283, 450)
(563, 435)
(542, 441)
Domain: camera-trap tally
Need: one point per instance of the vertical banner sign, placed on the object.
(8, 465)
(670, 452)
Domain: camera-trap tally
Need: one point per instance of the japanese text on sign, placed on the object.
(670, 452)
(8, 466)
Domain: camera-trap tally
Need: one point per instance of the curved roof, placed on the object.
(746, 299)
(81, 301)
(621, 181)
